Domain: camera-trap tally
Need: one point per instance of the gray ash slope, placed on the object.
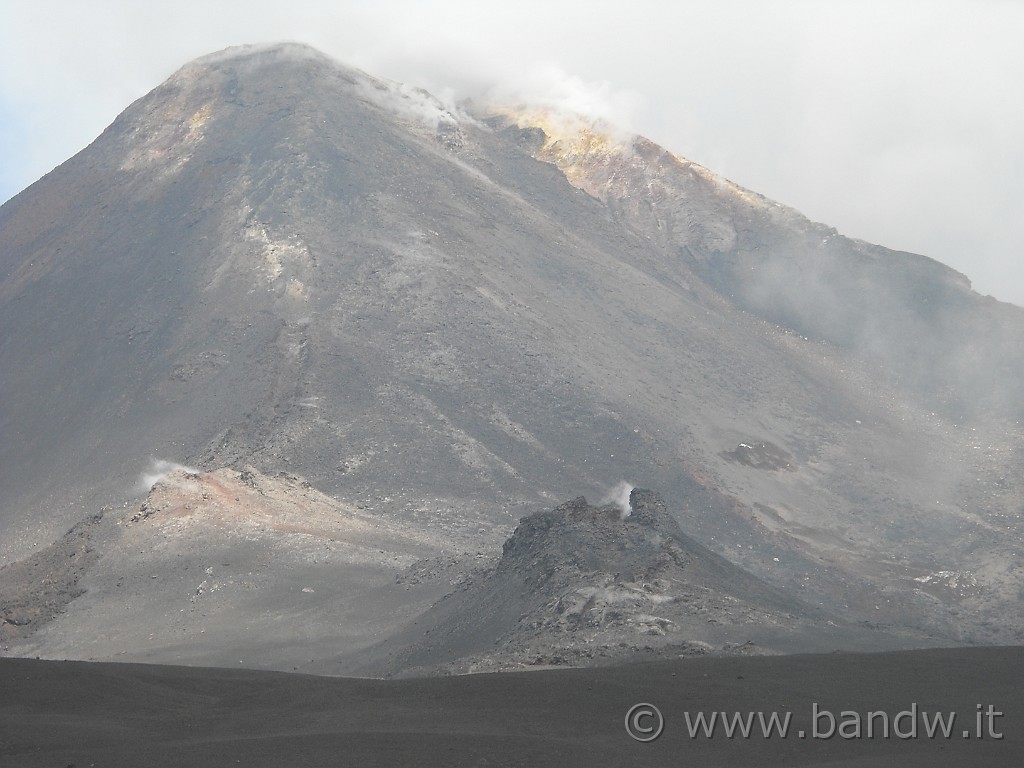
(916, 318)
(449, 320)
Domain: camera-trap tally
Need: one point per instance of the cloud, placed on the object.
(549, 85)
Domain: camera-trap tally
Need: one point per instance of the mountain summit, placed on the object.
(450, 317)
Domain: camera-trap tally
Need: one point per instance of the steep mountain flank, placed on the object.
(918, 319)
(450, 317)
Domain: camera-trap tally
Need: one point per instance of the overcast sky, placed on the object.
(897, 121)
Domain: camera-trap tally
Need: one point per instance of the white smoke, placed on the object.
(158, 470)
(430, 107)
(411, 102)
(548, 85)
(619, 496)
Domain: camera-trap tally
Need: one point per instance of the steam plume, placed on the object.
(158, 470)
(619, 496)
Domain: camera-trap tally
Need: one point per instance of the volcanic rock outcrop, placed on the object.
(583, 585)
(218, 567)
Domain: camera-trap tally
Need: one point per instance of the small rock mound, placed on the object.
(579, 585)
(37, 589)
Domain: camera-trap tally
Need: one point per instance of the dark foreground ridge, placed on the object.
(111, 715)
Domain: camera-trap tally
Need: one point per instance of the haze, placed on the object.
(895, 122)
